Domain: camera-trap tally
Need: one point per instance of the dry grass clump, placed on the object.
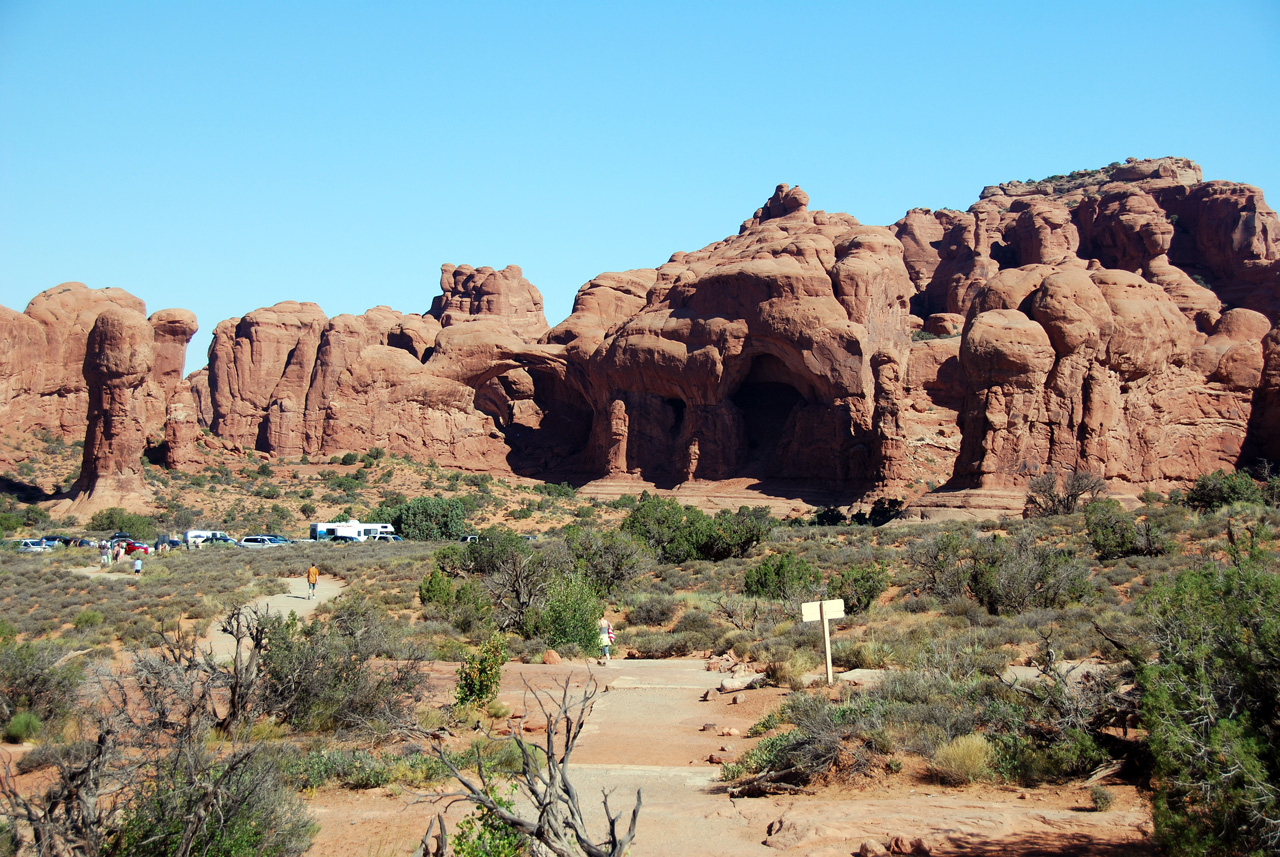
(962, 760)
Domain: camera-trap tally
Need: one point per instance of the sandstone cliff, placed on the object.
(1119, 320)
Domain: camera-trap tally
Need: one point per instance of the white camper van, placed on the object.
(196, 538)
(346, 530)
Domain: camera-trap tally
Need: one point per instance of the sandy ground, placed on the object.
(646, 732)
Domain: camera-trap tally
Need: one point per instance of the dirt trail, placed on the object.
(645, 732)
(295, 600)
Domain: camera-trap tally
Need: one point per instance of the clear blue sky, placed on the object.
(224, 156)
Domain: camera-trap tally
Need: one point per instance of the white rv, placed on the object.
(345, 530)
(195, 538)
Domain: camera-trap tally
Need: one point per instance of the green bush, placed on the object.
(569, 615)
(678, 534)
(435, 588)
(781, 576)
(115, 519)
(1219, 488)
(22, 726)
(1209, 702)
(480, 673)
(425, 518)
(349, 458)
(859, 586)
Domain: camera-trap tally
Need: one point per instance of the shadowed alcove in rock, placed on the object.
(769, 399)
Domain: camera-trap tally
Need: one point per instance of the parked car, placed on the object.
(32, 546)
(132, 547)
(258, 542)
(220, 538)
(279, 539)
(343, 540)
(465, 539)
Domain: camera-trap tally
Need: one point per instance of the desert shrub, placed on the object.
(116, 519)
(33, 679)
(1114, 533)
(480, 673)
(569, 614)
(320, 675)
(22, 726)
(1215, 490)
(87, 619)
(1012, 575)
(781, 576)
(608, 558)
(859, 586)
(961, 760)
(654, 610)
(1047, 495)
(1101, 797)
(424, 518)
(254, 812)
(1209, 702)
(349, 458)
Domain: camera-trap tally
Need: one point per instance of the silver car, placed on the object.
(33, 546)
(258, 542)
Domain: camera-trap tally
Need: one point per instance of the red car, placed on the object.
(135, 547)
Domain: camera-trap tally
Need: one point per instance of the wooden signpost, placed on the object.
(821, 611)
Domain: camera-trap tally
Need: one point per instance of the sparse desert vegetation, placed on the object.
(1037, 650)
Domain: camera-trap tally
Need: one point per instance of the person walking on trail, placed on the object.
(137, 567)
(313, 574)
(606, 637)
(104, 555)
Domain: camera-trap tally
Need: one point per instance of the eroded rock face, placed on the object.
(288, 380)
(42, 383)
(778, 353)
(1102, 376)
(1118, 319)
(119, 359)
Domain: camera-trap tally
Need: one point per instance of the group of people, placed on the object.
(107, 556)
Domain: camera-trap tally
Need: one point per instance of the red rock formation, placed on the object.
(470, 293)
(42, 385)
(1103, 377)
(120, 357)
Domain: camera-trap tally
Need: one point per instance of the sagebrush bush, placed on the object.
(654, 610)
(962, 760)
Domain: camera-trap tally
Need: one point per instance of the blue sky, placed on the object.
(225, 156)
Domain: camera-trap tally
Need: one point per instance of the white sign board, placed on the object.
(812, 611)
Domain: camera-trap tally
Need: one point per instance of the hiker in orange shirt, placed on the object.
(313, 574)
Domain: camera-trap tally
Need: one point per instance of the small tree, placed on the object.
(1210, 703)
(480, 673)
(1045, 497)
(558, 823)
(569, 615)
(859, 586)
